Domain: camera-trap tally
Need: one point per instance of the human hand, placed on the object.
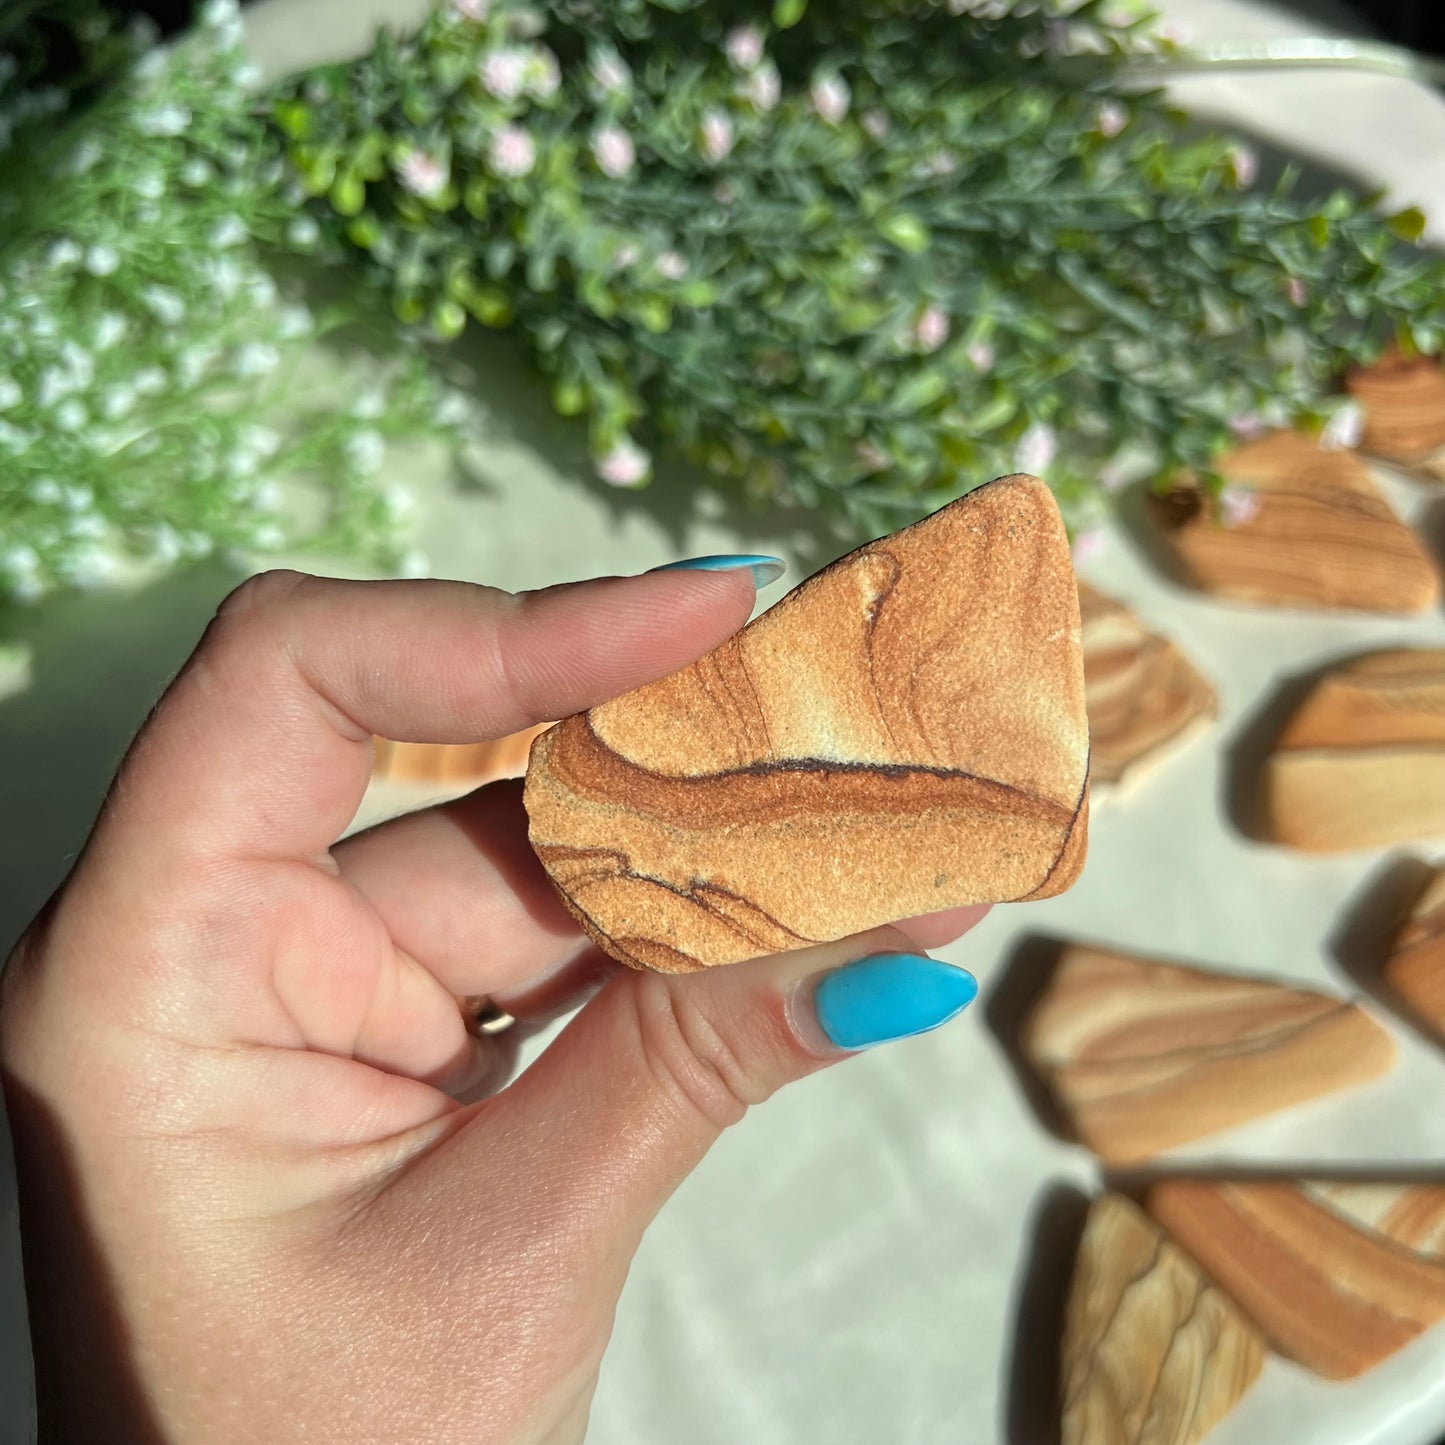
(272, 1189)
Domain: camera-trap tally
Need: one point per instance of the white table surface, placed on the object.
(854, 1263)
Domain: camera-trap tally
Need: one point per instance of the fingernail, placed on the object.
(890, 996)
(764, 569)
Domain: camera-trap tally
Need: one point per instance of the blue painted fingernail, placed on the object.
(890, 996)
(764, 569)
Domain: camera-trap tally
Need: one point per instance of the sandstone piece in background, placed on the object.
(1361, 763)
(1416, 966)
(1144, 697)
(1404, 405)
(1141, 1056)
(1336, 1277)
(1153, 1352)
(1300, 526)
(902, 733)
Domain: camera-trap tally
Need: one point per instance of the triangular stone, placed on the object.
(1142, 1056)
(1404, 405)
(1315, 532)
(902, 733)
(1337, 1277)
(1143, 696)
(1361, 763)
(1153, 1352)
(1416, 966)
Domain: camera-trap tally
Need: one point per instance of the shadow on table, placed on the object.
(100, 662)
(1033, 1405)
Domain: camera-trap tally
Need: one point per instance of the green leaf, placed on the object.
(1317, 228)
(348, 194)
(787, 13)
(1408, 225)
(905, 231)
(918, 391)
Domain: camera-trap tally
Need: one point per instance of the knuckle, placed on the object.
(690, 1059)
(260, 593)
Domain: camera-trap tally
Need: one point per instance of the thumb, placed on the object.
(625, 1103)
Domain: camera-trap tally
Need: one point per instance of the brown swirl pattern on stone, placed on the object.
(1361, 763)
(1154, 1353)
(902, 733)
(1416, 966)
(1142, 1056)
(1404, 405)
(1143, 696)
(1336, 1277)
(1321, 534)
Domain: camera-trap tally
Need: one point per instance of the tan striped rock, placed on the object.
(905, 732)
(455, 763)
(1416, 966)
(1308, 528)
(1361, 763)
(1142, 1056)
(1144, 697)
(1404, 405)
(1336, 1277)
(1153, 1352)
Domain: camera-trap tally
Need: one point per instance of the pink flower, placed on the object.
(422, 175)
(472, 9)
(613, 151)
(744, 46)
(716, 135)
(1238, 506)
(1244, 162)
(504, 73)
(876, 123)
(831, 97)
(625, 465)
(931, 328)
(1112, 478)
(1037, 448)
(764, 86)
(1088, 546)
(512, 152)
(980, 356)
(1294, 288)
(1112, 118)
(1344, 429)
(671, 266)
(1247, 425)
(870, 457)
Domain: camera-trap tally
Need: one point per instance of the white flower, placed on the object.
(150, 187)
(931, 329)
(1112, 118)
(164, 304)
(43, 325)
(165, 544)
(365, 450)
(151, 66)
(871, 457)
(192, 364)
(46, 491)
(625, 465)
(876, 123)
(512, 152)
(1088, 545)
(62, 254)
(1037, 448)
(724, 193)
(980, 356)
(10, 393)
(88, 524)
(117, 402)
(744, 46)
(471, 9)
(414, 563)
(230, 230)
(455, 408)
(503, 73)
(294, 321)
(267, 496)
(939, 163)
(268, 537)
(169, 119)
(1112, 476)
(19, 561)
(55, 383)
(716, 135)
(303, 232)
(85, 156)
(256, 358)
(544, 76)
(624, 256)
(610, 72)
(91, 567)
(369, 405)
(223, 276)
(763, 87)
(1344, 428)
(150, 381)
(398, 501)
(831, 97)
(422, 174)
(79, 363)
(12, 438)
(260, 441)
(261, 290)
(671, 266)
(1238, 506)
(102, 260)
(1244, 162)
(613, 151)
(71, 414)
